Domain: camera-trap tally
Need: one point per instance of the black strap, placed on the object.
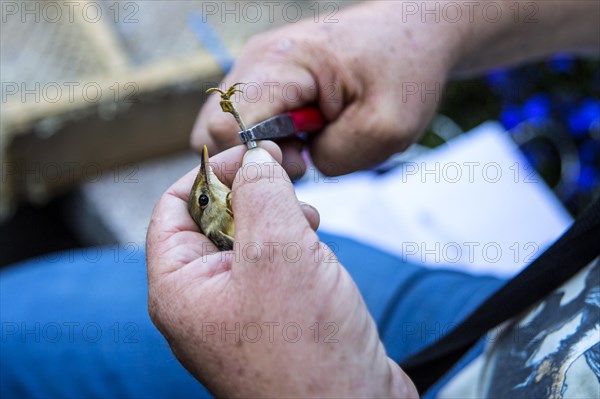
(573, 251)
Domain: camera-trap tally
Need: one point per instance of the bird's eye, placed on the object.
(203, 200)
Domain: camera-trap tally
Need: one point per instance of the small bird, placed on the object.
(210, 206)
(210, 200)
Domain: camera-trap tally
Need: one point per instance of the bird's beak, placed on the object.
(204, 164)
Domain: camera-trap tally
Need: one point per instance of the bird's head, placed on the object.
(208, 203)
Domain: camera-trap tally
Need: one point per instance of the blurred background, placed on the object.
(99, 99)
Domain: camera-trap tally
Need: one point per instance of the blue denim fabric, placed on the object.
(75, 324)
(413, 306)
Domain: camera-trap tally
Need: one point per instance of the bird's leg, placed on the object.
(227, 105)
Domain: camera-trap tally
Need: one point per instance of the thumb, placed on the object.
(264, 202)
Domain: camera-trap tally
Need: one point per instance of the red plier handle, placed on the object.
(307, 120)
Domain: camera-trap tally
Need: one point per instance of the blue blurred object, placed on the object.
(561, 63)
(551, 109)
(511, 116)
(583, 116)
(537, 108)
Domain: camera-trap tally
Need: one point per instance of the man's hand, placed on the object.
(356, 70)
(378, 71)
(278, 316)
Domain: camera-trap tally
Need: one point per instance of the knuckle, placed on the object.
(387, 134)
(285, 44)
(257, 41)
(260, 43)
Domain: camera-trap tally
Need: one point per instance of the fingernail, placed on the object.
(257, 155)
(306, 205)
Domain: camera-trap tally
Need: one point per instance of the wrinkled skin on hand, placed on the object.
(377, 73)
(194, 289)
(357, 85)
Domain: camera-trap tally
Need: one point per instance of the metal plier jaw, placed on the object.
(290, 124)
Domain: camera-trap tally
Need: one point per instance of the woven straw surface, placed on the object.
(46, 52)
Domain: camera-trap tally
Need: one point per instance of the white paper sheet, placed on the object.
(474, 205)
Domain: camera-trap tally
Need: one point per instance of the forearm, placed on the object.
(469, 36)
(527, 30)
